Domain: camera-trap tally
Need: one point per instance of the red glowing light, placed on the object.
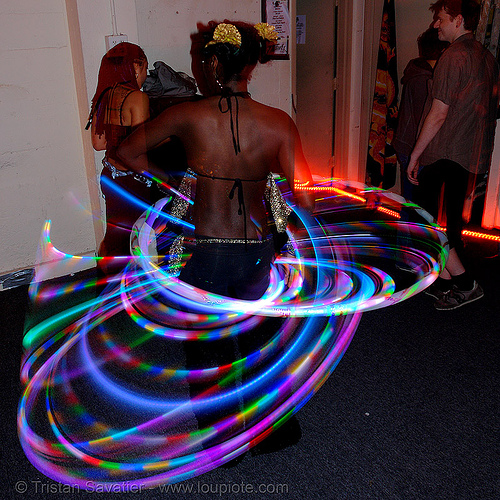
(390, 212)
(484, 236)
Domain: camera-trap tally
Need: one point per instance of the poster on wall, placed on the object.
(277, 13)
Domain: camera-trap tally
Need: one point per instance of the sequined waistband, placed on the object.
(239, 241)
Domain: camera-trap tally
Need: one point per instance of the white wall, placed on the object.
(42, 175)
(95, 23)
(413, 17)
(164, 33)
(358, 42)
(315, 74)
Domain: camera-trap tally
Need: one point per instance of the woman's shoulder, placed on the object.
(272, 111)
(185, 108)
(277, 122)
(136, 97)
(211, 104)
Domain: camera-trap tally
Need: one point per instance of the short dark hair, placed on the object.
(469, 9)
(430, 47)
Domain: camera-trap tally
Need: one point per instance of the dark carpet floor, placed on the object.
(411, 412)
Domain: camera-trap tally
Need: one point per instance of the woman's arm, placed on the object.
(133, 150)
(294, 164)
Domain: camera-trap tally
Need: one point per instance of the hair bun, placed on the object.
(226, 33)
(267, 32)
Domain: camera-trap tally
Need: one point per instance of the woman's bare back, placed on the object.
(268, 140)
(210, 149)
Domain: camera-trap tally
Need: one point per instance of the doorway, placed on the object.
(315, 83)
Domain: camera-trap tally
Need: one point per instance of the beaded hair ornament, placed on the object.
(228, 33)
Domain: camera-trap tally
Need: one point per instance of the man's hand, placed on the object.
(412, 171)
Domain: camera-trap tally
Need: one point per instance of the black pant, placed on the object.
(455, 179)
(232, 270)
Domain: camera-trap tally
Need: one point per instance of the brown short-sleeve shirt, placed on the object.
(466, 79)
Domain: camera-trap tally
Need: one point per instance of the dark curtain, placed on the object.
(381, 163)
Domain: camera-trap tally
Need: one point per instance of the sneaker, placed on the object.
(435, 292)
(457, 298)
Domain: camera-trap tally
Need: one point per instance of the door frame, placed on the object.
(358, 40)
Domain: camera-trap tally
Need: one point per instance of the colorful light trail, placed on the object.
(115, 392)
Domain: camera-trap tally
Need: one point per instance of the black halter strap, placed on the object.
(237, 186)
(241, 202)
(227, 94)
(95, 108)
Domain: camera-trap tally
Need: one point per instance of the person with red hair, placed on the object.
(118, 107)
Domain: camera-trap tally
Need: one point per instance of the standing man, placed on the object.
(415, 82)
(456, 138)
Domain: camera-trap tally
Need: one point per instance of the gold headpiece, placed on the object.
(226, 33)
(267, 31)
